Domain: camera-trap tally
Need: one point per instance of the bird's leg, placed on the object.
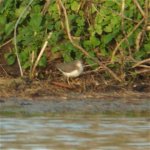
(68, 81)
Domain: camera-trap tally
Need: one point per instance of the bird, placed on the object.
(71, 70)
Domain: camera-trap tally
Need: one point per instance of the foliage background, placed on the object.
(116, 33)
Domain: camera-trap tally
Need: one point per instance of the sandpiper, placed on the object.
(71, 70)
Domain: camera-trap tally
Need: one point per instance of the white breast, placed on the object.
(74, 73)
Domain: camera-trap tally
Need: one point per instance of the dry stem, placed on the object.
(46, 6)
(40, 54)
(5, 43)
(143, 71)
(139, 7)
(141, 62)
(140, 37)
(4, 70)
(15, 39)
(122, 24)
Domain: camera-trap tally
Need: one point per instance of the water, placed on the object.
(78, 132)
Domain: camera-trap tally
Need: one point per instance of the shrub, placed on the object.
(114, 32)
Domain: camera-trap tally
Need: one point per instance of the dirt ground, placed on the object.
(46, 96)
(25, 88)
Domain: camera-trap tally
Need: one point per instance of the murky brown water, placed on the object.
(88, 132)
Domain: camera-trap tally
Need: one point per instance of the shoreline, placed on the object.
(42, 97)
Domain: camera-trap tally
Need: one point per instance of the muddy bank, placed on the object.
(24, 97)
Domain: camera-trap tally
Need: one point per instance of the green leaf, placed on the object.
(19, 11)
(98, 29)
(56, 36)
(98, 19)
(108, 29)
(2, 23)
(10, 58)
(107, 38)
(67, 58)
(93, 9)
(115, 20)
(24, 55)
(90, 61)
(35, 22)
(6, 5)
(26, 65)
(140, 54)
(147, 47)
(9, 28)
(43, 61)
(91, 53)
(80, 21)
(72, 17)
(58, 26)
(103, 51)
(94, 41)
(75, 6)
(109, 3)
(55, 49)
(2, 20)
(36, 9)
(87, 44)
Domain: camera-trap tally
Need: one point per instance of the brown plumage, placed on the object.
(72, 69)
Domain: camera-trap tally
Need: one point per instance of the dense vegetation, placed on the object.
(113, 34)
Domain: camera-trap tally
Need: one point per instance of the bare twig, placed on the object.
(46, 6)
(122, 25)
(80, 48)
(15, 34)
(62, 85)
(122, 14)
(40, 54)
(95, 70)
(144, 66)
(141, 62)
(138, 40)
(143, 71)
(6, 43)
(140, 36)
(146, 17)
(139, 7)
(4, 69)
